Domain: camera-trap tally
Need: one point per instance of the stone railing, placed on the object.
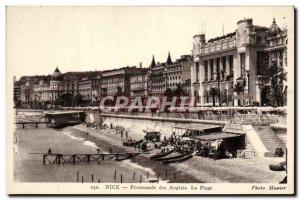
(251, 119)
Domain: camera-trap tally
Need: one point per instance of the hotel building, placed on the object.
(240, 56)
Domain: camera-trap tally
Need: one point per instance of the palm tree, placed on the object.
(179, 90)
(275, 76)
(239, 88)
(119, 91)
(169, 94)
(77, 100)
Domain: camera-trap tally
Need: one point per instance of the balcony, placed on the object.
(138, 89)
(196, 86)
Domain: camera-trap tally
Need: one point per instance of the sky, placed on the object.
(100, 38)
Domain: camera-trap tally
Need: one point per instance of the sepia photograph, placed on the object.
(145, 100)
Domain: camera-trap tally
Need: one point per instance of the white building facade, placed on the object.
(240, 56)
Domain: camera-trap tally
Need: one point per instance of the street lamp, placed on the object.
(218, 73)
(242, 80)
(196, 87)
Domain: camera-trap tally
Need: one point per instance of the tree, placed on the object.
(214, 92)
(66, 99)
(179, 90)
(275, 77)
(239, 88)
(77, 100)
(119, 91)
(168, 93)
(17, 103)
(58, 102)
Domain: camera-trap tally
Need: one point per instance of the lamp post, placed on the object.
(242, 81)
(218, 73)
(196, 87)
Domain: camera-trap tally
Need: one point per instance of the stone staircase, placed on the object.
(270, 139)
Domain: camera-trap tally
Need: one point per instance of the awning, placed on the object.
(216, 136)
(63, 112)
(197, 127)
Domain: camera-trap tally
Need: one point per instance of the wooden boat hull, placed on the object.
(184, 158)
(131, 144)
(161, 155)
(169, 158)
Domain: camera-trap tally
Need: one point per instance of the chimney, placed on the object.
(141, 65)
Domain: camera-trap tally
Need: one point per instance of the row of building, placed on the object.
(244, 55)
(127, 81)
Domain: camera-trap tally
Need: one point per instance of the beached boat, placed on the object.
(159, 155)
(177, 160)
(169, 158)
(131, 143)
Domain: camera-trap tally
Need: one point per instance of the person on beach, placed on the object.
(110, 150)
(126, 134)
(49, 151)
(98, 150)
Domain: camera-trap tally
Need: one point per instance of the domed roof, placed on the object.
(56, 73)
(274, 28)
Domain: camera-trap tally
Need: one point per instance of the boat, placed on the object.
(131, 143)
(177, 160)
(162, 154)
(169, 158)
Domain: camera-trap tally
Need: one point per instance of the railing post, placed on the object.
(58, 158)
(147, 175)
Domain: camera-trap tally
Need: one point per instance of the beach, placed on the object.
(28, 166)
(200, 169)
(83, 139)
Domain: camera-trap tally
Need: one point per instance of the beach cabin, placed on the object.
(190, 130)
(210, 139)
(62, 119)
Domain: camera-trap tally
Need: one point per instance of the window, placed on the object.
(258, 39)
(205, 70)
(260, 62)
(197, 71)
(231, 65)
(211, 69)
(242, 63)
